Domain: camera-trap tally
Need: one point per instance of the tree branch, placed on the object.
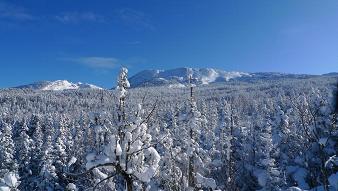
(107, 178)
(89, 170)
(147, 147)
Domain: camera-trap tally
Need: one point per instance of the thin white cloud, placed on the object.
(13, 12)
(77, 17)
(105, 63)
(129, 17)
(98, 62)
(135, 19)
(133, 42)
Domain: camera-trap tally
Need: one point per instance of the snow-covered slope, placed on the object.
(58, 85)
(179, 76)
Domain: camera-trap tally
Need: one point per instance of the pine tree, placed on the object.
(7, 150)
(35, 132)
(48, 177)
(24, 148)
(228, 145)
(129, 152)
(267, 174)
(193, 128)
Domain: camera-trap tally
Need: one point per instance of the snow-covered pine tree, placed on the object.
(79, 140)
(35, 133)
(266, 172)
(7, 150)
(24, 146)
(60, 144)
(227, 136)
(281, 135)
(324, 134)
(8, 165)
(129, 155)
(312, 114)
(171, 174)
(195, 153)
(78, 154)
(48, 179)
(60, 159)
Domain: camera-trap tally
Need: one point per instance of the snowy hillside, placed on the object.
(58, 85)
(178, 77)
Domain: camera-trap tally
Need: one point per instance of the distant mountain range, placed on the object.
(179, 77)
(58, 85)
(175, 78)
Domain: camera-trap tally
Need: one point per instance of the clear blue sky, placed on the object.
(82, 40)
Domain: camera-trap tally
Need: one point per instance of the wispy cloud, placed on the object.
(77, 17)
(12, 12)
(132, 18)
(135, 19)
(98, 62)
(105, 63)
(133, 42)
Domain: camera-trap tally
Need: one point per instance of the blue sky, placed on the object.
(82, 40)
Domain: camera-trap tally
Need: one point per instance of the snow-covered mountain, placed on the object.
(178, 77)
(58, 85)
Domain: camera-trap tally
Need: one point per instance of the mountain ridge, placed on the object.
(174, 78)
(178, 77)
(57, 85)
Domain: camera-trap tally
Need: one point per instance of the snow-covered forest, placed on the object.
(262, 135)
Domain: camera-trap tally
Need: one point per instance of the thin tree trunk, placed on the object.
(129, 182)
(191, 171)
